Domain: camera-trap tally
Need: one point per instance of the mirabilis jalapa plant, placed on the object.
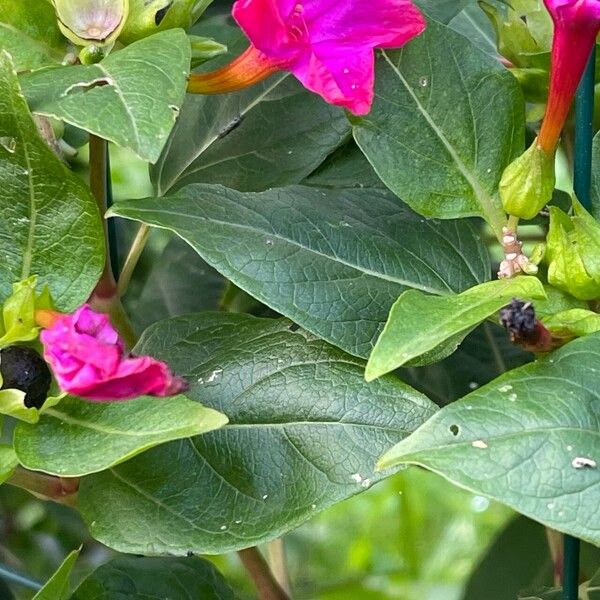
(294, 190)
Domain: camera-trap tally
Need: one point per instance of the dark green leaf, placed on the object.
(131, 98)
(304, 433)
(129, 578)
(530, 439)
(78, 437)
(272, 134)
(333, 261)
(430, 136)
(50, 224)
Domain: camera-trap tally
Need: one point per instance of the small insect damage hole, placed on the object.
(294, 327)
(454, 429)
(161, 13)
(86, 86)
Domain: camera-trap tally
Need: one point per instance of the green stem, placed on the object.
(60, 489)
(278, 563)
(105, 297)
(135, 252)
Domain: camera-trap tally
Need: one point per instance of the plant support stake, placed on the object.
(582, 186)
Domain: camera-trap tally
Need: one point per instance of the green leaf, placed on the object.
(441, 10)
(518, 558)
(57, 587)
(8, 462)
(347, 167)
(131, 98)
(179, 283)
(30, 34)
(429, 135)
(334, 261)
(79, 437)
(419, 323)
(154, 579)
(304, 432)
(50, 224)
(270, 135)
(530, 440)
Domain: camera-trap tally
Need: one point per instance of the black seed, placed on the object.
(518, 318)
(24, 369)
(160, 14)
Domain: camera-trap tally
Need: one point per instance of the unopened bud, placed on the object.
(528, 182)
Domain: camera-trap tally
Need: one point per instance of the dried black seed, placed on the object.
(518, 318)
(22, 368)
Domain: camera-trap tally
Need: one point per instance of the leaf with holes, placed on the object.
(50, 224)
(78, 437)
(334, 261)
(131, 98)
(530, 439)
(154, 579)
(430, 136)
(304, 433)
(420, 324)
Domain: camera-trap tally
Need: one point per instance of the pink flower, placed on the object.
(576, 25)
(88, 359)
(327, 44)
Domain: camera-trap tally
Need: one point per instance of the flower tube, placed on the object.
(327, 44)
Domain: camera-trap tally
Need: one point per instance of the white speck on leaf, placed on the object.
(505, 388)
(479, 444)
(581, 462)
(356, 477)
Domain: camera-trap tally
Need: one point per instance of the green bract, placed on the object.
(567, 244)
(527, 183)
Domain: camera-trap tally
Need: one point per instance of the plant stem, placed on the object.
(106, 287)
(513, 223)
(105, 297)
(278, 563)
(137, 247)
(47, 487)
(266, 586)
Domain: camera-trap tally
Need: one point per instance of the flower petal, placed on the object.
(344, 79)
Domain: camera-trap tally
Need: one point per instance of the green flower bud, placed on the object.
(92, 54)
(566, 268)
(528, 182)
(150, 16)
(97, 22)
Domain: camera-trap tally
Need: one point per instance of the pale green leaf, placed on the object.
(304, 433)
(131, 98)
(30, 34)
(80, 437)
(419, 323)
(50, 224)
(530, 439)
(8, 462)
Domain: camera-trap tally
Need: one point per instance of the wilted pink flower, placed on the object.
(327, 44)
(88, 359)
(576, 25)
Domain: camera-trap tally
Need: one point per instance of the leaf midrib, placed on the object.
(494, 215)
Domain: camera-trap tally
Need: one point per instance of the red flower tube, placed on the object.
(576, 25)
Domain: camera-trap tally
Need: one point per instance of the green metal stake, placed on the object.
(582, 186)
(9, 574)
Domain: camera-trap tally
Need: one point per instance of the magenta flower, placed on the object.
(88, 359)
(327, 44)
(576, 25)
